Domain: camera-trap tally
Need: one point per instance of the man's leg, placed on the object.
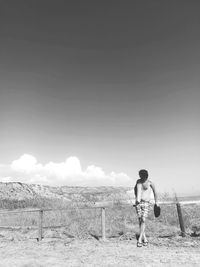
(145, 241)
(145, 238)
(145, 215)
(142, 229)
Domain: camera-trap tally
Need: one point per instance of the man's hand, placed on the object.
(137, 202)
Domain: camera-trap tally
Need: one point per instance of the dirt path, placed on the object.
(51, 252)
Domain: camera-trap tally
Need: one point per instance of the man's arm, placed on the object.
(154, 192)
(139, 192)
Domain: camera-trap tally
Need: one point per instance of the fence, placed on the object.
(40, 217)
(102, 206)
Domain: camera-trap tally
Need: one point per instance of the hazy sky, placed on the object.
(108, 85)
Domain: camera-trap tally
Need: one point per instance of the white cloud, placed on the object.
(94, 171)
(71, 167)
(26, 163)
(6, 179)
(69, 172)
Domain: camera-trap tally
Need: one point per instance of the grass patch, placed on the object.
(121, 219)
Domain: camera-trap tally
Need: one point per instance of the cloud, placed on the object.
(26, 163)
(69, 172)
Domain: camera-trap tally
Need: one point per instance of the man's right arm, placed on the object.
(139, 192)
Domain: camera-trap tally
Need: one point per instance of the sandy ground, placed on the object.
(49, 252)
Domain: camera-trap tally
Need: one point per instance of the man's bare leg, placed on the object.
(145, 238)
(143, 235)
(142, 229)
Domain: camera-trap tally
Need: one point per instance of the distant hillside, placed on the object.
(21, 195)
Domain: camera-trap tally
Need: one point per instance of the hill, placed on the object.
(21, 195)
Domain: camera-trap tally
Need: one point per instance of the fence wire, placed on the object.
(120, 220)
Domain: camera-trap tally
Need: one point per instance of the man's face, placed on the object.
(144, 179)
(143, 175)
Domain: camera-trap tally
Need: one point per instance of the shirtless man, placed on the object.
(143, 189)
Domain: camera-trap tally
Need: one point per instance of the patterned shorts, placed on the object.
(142, 209)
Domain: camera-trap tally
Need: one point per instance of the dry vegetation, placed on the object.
(121, 221)
(73, 238)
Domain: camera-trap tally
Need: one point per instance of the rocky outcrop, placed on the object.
(33, 194)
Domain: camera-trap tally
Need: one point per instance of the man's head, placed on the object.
(143, 174)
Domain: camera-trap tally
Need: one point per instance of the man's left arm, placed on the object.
(154, 192)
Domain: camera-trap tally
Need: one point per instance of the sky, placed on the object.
(93, 91)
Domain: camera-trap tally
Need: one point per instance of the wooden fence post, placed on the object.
(40, 218)
(103, 226)
(180, 217)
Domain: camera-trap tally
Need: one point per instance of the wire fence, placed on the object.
(102, 220)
